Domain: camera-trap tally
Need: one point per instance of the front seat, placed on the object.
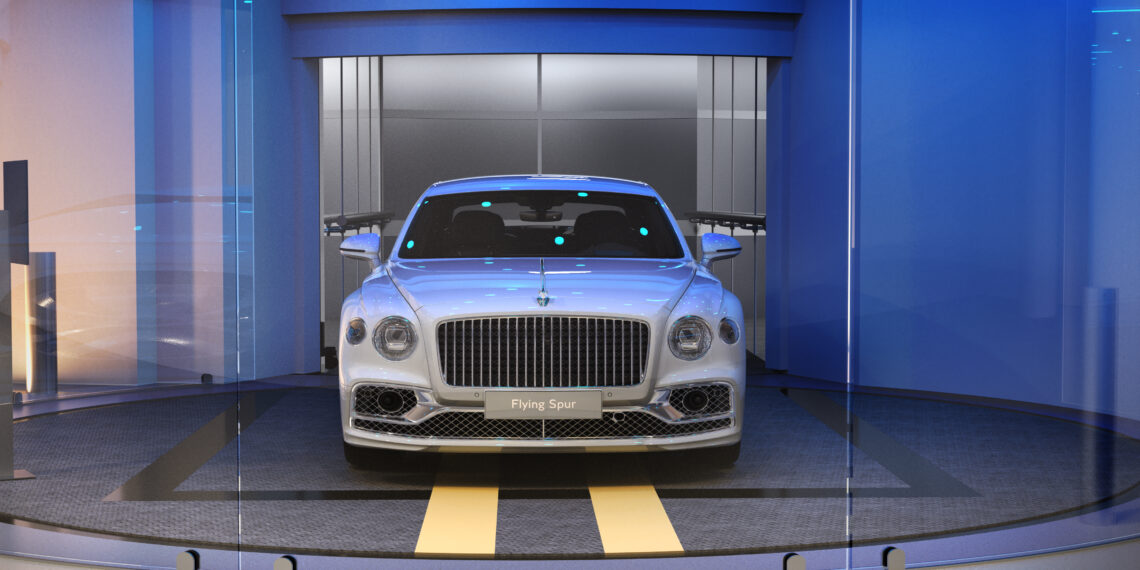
(477, 233)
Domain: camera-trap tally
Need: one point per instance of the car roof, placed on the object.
(540, 182)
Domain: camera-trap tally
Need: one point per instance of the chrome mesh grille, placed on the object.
(543, 352)
(720, 400)
(472, 425)
(366, 400)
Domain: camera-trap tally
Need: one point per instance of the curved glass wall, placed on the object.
(122, 256)
(994, 297)
(940, 312)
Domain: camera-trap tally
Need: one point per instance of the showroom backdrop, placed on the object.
(989, 176)
(693, 127)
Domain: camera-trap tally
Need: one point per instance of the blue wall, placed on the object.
(977, 199)
(807, 197)
(284, 265)
(292, 7)
(961, 146)
(539, 31)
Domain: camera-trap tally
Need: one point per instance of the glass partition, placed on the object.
(939, 316)
(121, 321)
(993, 288)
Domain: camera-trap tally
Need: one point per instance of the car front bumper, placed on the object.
(423, 424)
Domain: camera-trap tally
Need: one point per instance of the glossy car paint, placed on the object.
(426, 292)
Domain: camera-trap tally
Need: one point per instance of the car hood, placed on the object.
(440, 289)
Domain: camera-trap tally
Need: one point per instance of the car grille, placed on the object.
(472, 425)
(543, 352)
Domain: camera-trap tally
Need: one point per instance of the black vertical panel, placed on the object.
(16, 204)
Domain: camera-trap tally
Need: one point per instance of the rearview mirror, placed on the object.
(362, 246)
(715, 247)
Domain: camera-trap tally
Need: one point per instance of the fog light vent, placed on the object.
(702, 400)
(695, 401)
(383, 401)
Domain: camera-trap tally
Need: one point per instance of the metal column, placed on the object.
(7, 439)
(43, 371)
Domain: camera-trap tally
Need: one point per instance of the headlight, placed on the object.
(729, 331)
(690, 338)
(355, 332)
(394, 338)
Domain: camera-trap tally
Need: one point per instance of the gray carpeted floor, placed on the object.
(976, 468)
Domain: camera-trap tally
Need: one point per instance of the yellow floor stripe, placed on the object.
(463, 510)
(631, 518)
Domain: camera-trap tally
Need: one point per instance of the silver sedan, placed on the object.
(539, 314)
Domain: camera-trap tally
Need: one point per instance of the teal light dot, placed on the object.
(582, 194)
(411, 244)
(644, 231)
(425, 202)
(486, 204)
(559, 240)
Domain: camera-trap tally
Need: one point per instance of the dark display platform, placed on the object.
(167, 470)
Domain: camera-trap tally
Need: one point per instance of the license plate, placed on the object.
(542, 405)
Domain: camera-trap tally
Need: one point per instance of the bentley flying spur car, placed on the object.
(539, 313)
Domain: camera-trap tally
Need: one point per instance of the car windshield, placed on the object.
(540, 223)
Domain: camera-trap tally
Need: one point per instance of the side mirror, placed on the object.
(715, 247)
(362, 246)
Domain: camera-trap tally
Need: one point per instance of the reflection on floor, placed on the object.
(71, 391)
(167, 470)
